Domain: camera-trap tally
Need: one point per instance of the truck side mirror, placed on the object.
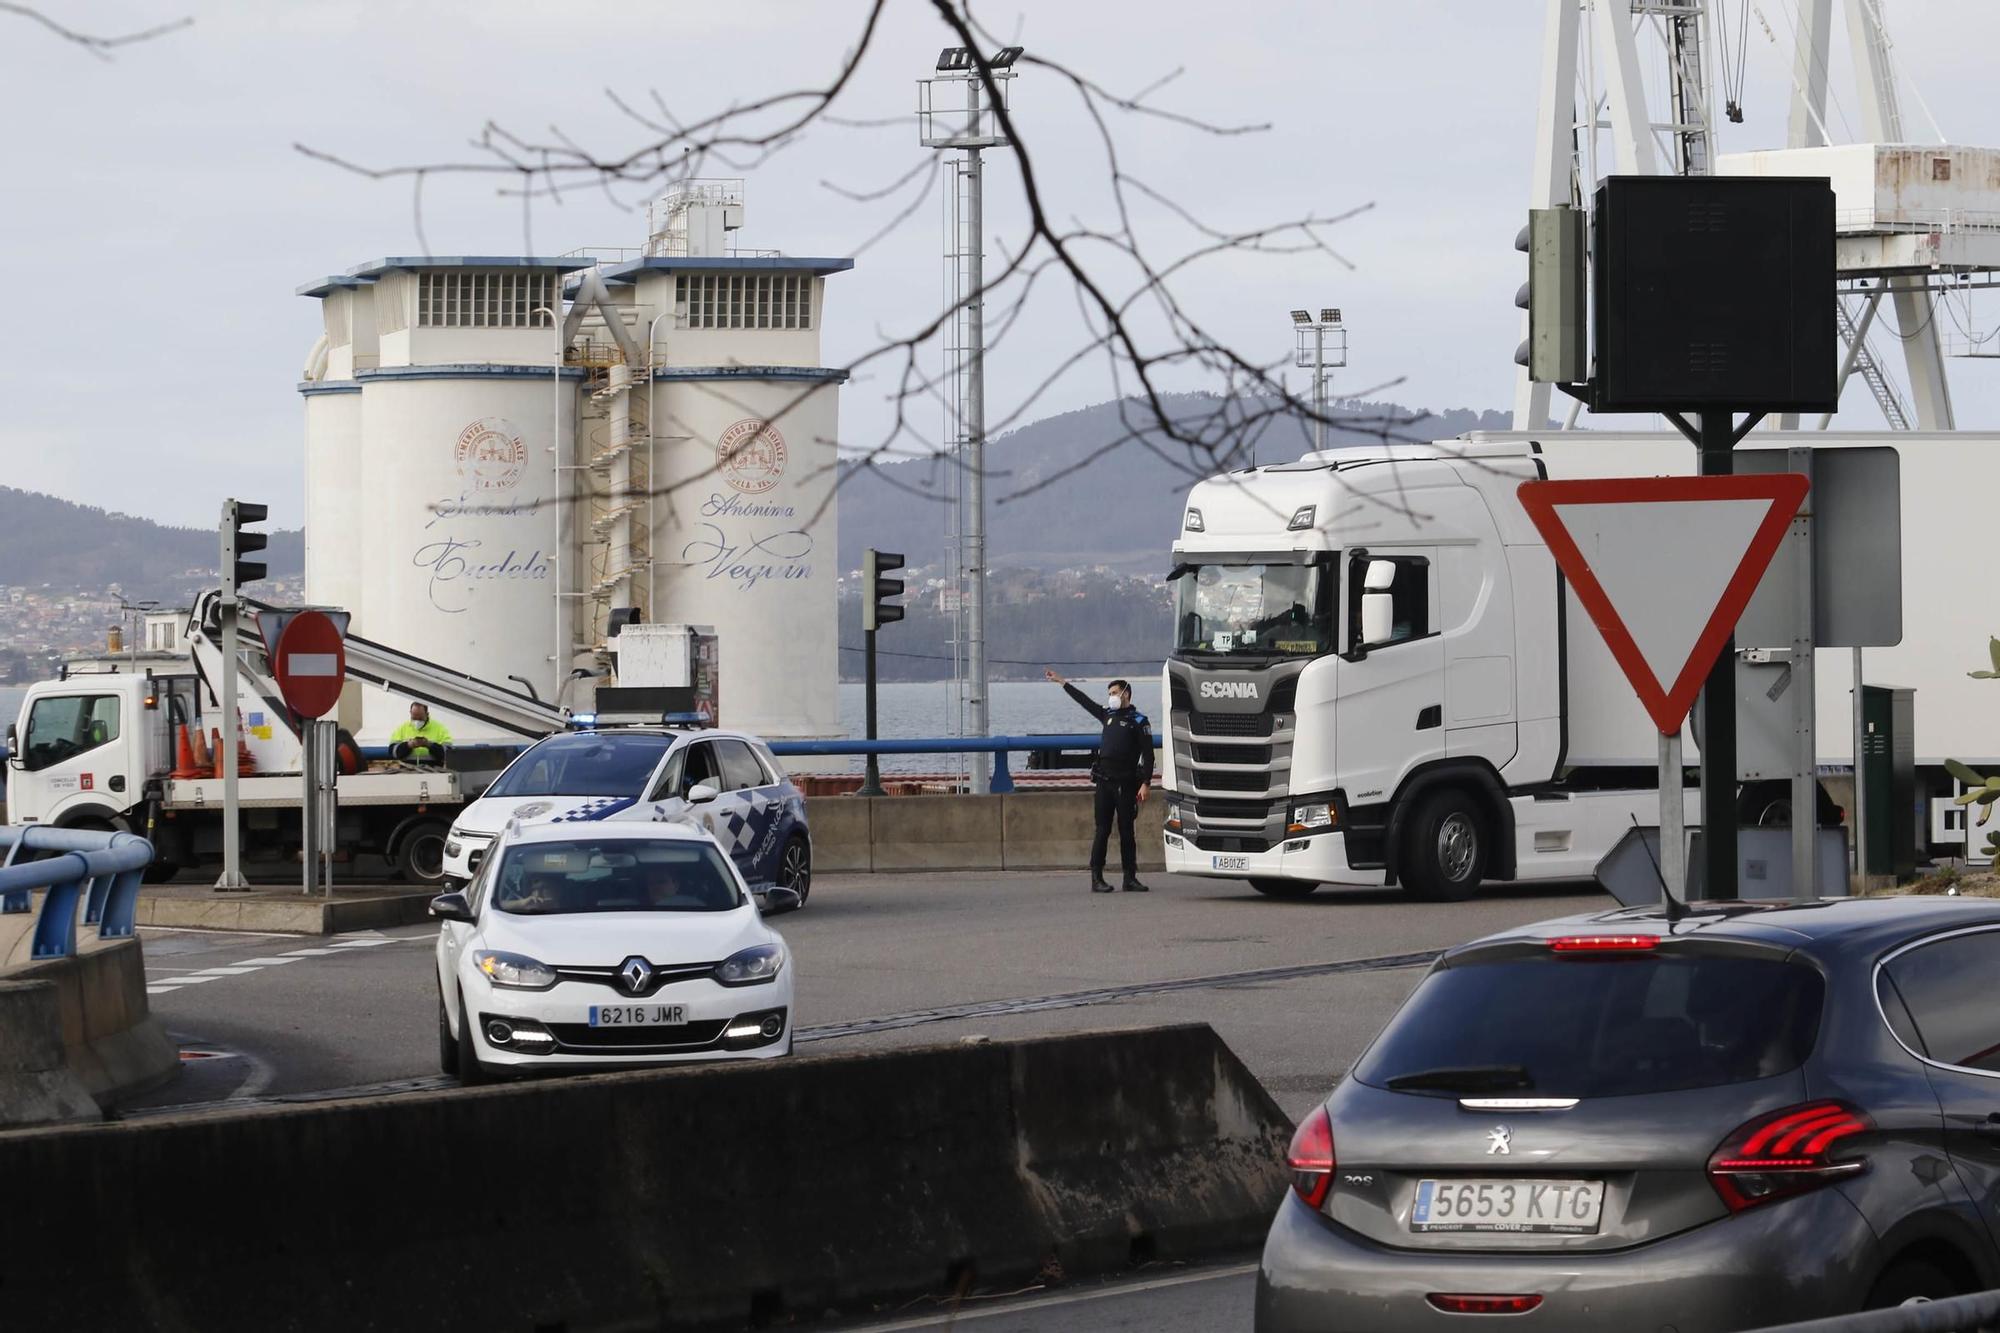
(1378, 618)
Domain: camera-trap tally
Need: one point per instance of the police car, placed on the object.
(725, 782)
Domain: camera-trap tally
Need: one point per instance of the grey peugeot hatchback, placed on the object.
(1756, 1113)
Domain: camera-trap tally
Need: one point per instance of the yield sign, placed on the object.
(1664, 566)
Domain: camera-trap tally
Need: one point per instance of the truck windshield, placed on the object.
(1254, 610)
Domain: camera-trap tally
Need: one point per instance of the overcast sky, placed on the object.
(157, 217)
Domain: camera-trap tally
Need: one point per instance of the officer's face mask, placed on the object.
(1114, 701)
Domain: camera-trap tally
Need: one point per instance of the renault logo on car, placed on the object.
(1229, 689)
(1500, 1139)
(635, 973)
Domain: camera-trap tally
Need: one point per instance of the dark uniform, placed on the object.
(1124, 764)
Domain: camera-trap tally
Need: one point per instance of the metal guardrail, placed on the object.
(1977, 1313)
(997, 746)
(101, 871)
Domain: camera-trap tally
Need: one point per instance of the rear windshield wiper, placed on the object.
(1465, 1078)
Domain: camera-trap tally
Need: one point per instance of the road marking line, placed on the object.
(963, 1315)
(265, 962)
(193, 979)
(359, 944)
(160, 990)
(212, 972)
(313, 953)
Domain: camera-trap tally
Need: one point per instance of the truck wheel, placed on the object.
(1285, 888)
(420, 854)
(1444, 854)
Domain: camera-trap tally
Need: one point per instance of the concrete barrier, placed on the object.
(668, 1199)
(37, 1086)
(110, 1039)
(1047, 830)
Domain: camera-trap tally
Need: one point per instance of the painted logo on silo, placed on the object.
(751, 456)
(490, 455)
(466, 550)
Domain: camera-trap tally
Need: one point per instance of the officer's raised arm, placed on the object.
(1091, 706)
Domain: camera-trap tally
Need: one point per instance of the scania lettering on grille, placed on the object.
(1229, 689)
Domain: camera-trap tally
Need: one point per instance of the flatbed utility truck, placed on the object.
(99, 749)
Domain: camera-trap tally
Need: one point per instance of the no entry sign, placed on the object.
(310, 664)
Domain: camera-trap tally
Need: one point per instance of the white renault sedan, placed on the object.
(600, 945)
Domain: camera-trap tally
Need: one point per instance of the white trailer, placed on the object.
(1379, 678)
(98, 749)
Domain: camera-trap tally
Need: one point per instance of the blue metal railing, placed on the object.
(102, 870)
(997, 746)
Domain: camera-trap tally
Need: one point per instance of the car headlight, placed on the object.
(514, 971)
(751, 967)
(1306, 818)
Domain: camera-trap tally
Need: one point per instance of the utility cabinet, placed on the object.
(1889, 769)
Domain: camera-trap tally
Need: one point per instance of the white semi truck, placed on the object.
(1378, 676)
(97, 749)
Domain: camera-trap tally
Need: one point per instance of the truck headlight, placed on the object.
(1174, 815)
(514, 971)
(1316, 815)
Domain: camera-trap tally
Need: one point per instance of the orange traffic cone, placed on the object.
(184, 756)
(204, 761)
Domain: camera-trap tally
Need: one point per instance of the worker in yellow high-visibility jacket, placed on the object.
(421, 740)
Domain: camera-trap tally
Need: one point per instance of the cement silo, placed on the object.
(333, 445)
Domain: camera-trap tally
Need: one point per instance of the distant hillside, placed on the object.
(1119, 509)
(81, 548)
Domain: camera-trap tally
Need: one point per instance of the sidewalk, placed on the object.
(285, 910)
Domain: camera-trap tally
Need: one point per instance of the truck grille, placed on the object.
(1229, 754)
(1228, 724)
(1219, 842)
(1205, 808)
(1208, 779)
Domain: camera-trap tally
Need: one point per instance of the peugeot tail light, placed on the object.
(1311, 1158)
(1788, 1152)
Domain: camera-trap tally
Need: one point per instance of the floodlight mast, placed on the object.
(978, 130)
(1311, 352)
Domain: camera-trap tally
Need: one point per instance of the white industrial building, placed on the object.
(507, 456)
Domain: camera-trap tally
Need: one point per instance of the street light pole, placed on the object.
(940, 127)
(1314, 357)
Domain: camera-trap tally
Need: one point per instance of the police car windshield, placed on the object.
(614, 875)
(587, 764)
(1253, 610)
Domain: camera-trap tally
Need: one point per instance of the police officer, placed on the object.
(1123, 773)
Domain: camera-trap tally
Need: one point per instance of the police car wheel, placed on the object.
(795, 868)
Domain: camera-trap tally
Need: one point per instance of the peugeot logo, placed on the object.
(635, 973)
(1500, 1139)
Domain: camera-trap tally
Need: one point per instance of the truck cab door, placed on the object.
(80, 750)
(1389, 714)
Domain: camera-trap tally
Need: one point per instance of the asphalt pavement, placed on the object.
(1296, 988)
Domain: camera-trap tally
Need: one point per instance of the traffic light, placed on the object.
(238, 541)
(878, 609)
(1558, 349)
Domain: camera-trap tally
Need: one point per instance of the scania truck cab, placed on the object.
(1376, 679)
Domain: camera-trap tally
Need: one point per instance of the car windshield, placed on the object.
(1261, 610)
(587, 764)
(581, 875)
(1598, 1027)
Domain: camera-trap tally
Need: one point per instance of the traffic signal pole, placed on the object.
(878, 608)
(236, 543)
(1718, 706)
(871, 782)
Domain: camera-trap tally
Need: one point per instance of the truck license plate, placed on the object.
(638, 1015)
(1229, 862)
(1558, 1207)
